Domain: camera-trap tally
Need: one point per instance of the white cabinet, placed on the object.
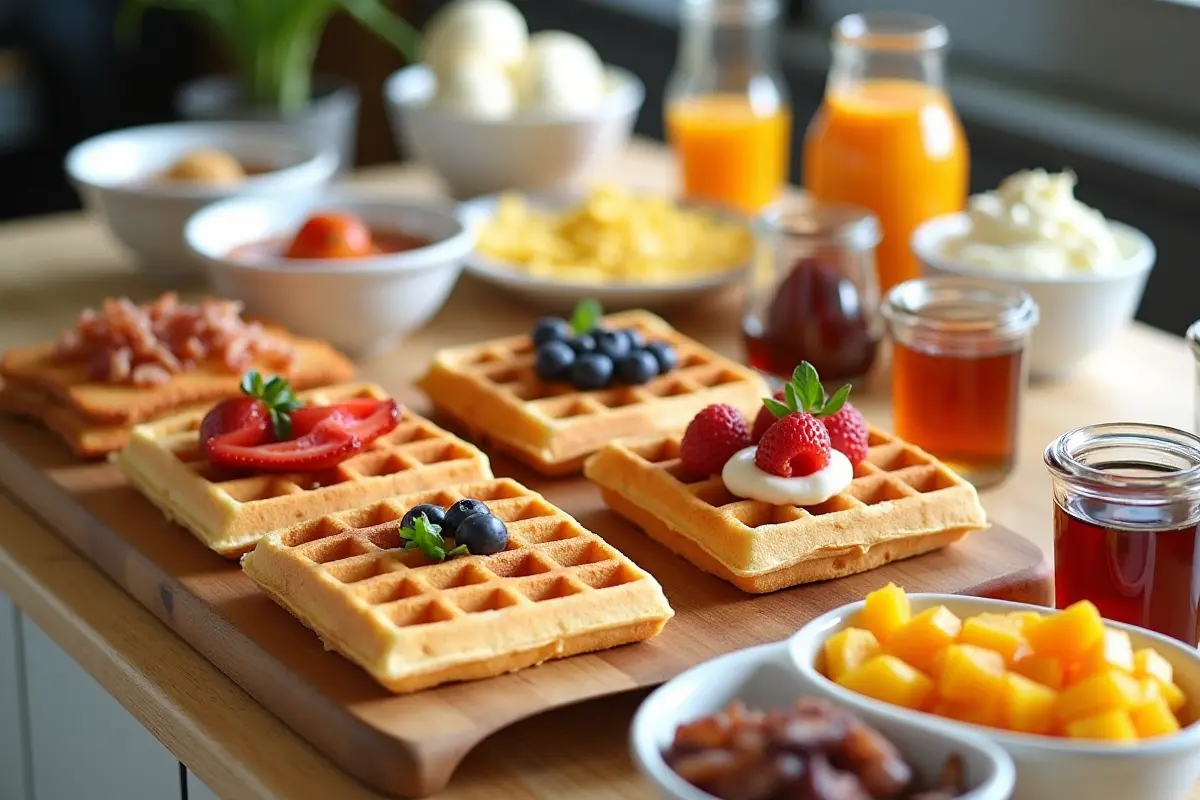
(198, 791)
(13, 770)
(82, 743)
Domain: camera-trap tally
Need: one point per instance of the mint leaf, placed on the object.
(276, 394)
(427, 536)
(808, 386)
(585, 316)
(251, 384)
(836, 401)
(461, 550)
(775, 407)
(791, 396)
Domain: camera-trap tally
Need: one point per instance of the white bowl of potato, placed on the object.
(626, 250)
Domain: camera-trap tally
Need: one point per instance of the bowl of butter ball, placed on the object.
(494, 108)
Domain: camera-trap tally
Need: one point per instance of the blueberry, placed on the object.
(460, 511)
(584, 343)
(612, 344)
(664, 354)
(635, 338)
(483, 534)
(550, 329)
(637, 367)
(433, 514)
(554, 360)
(591, 371)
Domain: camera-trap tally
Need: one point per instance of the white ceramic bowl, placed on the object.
(764, 677)
(1047, 768)
(363, 306)
(528, 151)
(560, 296)
(114, 172)
(1078, 314)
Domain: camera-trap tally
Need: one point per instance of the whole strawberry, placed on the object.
(711, 439)
(764, 420)
(804, 396)
(848, 433)
(794, 446)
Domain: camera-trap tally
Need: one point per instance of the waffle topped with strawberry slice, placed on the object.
(808, 492)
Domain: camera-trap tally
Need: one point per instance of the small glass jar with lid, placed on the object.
(1193, 339)
(959, 370)
(728, 116)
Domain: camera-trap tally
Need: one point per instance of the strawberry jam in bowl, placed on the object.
(361, 271)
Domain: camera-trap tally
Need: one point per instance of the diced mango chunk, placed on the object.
(1025, 621)
(1173, 695)
(849, 649)
(1070, 633)
(923, 636)
(1149, 663)
(998, 632)
(1114, 650)
(989, 713)
(1046, 670)
(884, 611)
(1154, 719)
(1109, 691)
(970, 674)
(1028, 705)
(1109, 726)
(889, 679)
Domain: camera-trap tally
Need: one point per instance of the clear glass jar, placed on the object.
(1193, 338)
(886, 136)
(811, 294)
(1127, 522)
(959, 370)
(728, 116)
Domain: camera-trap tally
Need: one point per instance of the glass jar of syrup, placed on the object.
(959, 370)
(1126, 523)
(1193, 338)
(812, 293)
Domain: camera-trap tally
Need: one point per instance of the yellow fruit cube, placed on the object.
(1028, 705)
(849, 649)
(1114, 650)
(925, 634)
(889, 679)
(1109, 726)
(1070, 633)
(1025, 621)
(884, 611)
(1149, 663)
(1108, 691)
(1174, 696)
(989, 714)
(1154, 719)
(935, 663)
(997, 632)
(1046, 670)
(971, 674)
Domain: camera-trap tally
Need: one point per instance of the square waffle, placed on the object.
(901, 502)
(230, 511)
(491, 390)
(558, 590)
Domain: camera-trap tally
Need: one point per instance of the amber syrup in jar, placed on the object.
(958, 370)
(813, 294)
(1126, 523)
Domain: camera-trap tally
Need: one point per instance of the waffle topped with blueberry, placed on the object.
(558, 394)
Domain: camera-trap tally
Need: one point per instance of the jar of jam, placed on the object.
(959, 370)
(1126, 523)
(812, 293)
(1193, 338)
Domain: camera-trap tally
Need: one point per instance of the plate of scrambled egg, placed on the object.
(627, 250)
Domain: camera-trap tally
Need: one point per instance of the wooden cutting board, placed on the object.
(410, 745)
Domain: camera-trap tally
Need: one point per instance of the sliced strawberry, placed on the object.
(365, 417)
(241, 420)
(326, 446)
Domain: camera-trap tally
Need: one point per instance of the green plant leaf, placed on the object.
(387, 25)
(836, 401)
(276, 394)
(791, 396)
(775, 407)
(461, 550)
(585, 316)
(427, 536)
(808, 386)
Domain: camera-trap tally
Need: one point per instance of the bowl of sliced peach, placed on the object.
(1088, 709)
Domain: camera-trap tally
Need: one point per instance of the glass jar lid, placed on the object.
(730, 11)
(891, 31)
(837, 225)
(959, 316)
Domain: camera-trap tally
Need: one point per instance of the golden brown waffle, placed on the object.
(558, 590)
(230, 511)
(901, 502)
(492, 391)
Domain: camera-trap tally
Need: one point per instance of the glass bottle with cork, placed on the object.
(728, 116)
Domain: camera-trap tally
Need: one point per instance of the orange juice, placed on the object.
(895, 147)
(730, 154)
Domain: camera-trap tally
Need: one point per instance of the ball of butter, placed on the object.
(561, 73)
(492, 30)
(207, 165)
(478, 87)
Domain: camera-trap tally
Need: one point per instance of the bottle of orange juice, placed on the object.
(886, 136)
(727, 111)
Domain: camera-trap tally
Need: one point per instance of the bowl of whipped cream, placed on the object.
(1086, 273)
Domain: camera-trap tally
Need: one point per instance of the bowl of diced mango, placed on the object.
(1088, 709)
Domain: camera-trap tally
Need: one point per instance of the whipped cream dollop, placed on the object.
(743, 478)
(1033, 224)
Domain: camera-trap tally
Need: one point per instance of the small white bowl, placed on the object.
(763, 677)
(363, 306)
(560, 296)
(116, 175)
(1048, 768)
(527, 151)
(1078, 314)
